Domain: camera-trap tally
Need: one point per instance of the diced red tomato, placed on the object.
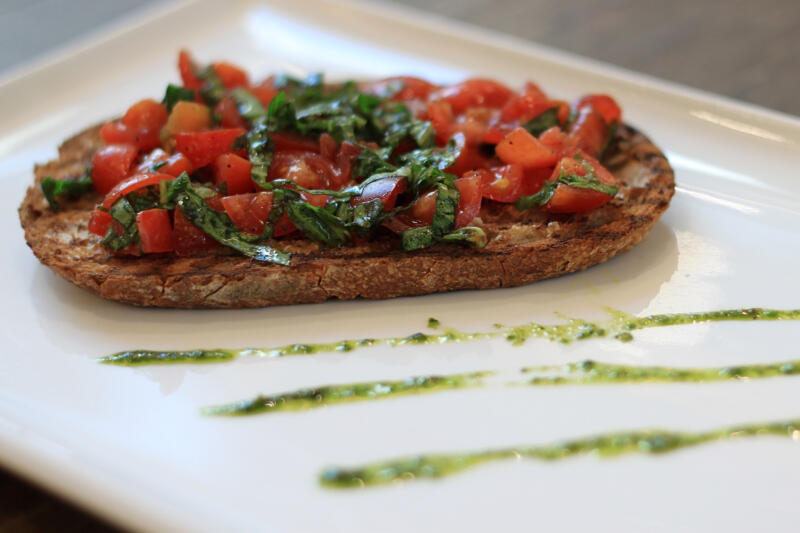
(249, 211)
(307, 169)
(440, 115)
(112, 164)
(187, 117)
(228, 112)
(555, 139)
(568, 199)
(204, 147)
(501, 184)
(563, 111)
(523, 107)
(328, 146)
(286, 140)
(344, 160)
(469, 203)
(155, 230)
(99, 222)
(140, 125)
(386, 189)
(589, 131)
(469, 157)
(188, 238)
(603, 104)
(533, 179)
(476, 92)
(231, 75)
(522, 148)
(496, 133)
(410, 88)
(186, 68)
(174, 164)
(234, 171)
(284, 224)
(134, 183)
(422, 210)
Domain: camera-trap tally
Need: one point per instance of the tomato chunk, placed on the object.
(386, 189)
(249, 211)
(231, 75)
(234, 171)
(501, 184)
(603, 104)
(400, 88)
(188, 238)
(134, 183)
(140, 125)
(475, 92)
(523, 107)
(188, 75)
(99, 222)
(284, 224)
(469, 204)
(422, 210)
(112, 164)
(286, 140)
(568, 199)
(204, 147)
(228, 112)
(155, 230)
(307, 169)
(589, 131)
(521, 148)
(159, 161)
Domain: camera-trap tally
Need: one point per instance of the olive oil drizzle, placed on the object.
(620, 325)
(654, 441)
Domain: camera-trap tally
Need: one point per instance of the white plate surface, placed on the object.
(132, 445)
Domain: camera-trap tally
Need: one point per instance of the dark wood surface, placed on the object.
(744, 49)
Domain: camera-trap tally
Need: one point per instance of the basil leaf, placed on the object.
(417, 238)
(588, 182)
(444, 218)
(123, 213)
(213, 90)
(281, 114)
(317, 224)
(367, 216)
(370, 162)
(543, 122)
(175, 94)
(434, 157)
(472, 235)
(248, 105)
(71, 188)
(218, 226)
(260, 149)
(539, 199)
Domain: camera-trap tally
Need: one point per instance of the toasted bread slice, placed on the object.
(523, 247)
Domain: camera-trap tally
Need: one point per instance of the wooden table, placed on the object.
(745, 49)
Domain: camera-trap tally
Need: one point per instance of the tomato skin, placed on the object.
(284, 224)
(411, 88)
(187, 117)
(589, 131)
(249, 211)
(186, 68)
(307, 169)
(188, 238)
(568, 199)
(533, 180)
(501, 184)
(143, 122)
(523, 107)
(422, 210)
(228, 111)
(286, 140)
(344, 162)
(202, 148)
(233, 171)
(155, 231)
(522, 148)
(111, 164)
(133, 183)
(174, 164)
(386, 189)
(230, 75)
(476, 92)
(328, 146)
(555, 139)
(264, 94)
(99, 222)
(469, 203)
(440, 114)
(603, 104)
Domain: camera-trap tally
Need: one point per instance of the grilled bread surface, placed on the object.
(523, 247)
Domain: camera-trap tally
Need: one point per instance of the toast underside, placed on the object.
(523, 247)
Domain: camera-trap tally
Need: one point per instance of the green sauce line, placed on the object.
(654, 441)
(582, 373)
(619, 326)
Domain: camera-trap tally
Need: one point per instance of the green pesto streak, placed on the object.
(610, 444)
(619, 326)
(582, 373)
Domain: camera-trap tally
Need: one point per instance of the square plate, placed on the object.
(132, 445)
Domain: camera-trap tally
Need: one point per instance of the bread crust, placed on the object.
(523, 247)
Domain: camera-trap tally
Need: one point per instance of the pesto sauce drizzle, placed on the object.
(619, 326)
(334, 394)
(653, 441)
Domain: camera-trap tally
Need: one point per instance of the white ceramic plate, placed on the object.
(131, 444)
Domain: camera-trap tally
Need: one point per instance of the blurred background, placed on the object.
(744, 49)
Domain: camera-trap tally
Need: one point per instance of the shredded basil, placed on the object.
(543, 122)
(69, 187)
(175, 94)
(317, 223)
(218, 225)
(249, 107)
(589, 181)
(213, 90)
(124, 214)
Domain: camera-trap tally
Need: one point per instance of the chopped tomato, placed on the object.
(307, 169)
(188, 238)
(469, 157)
(568, 199)
(187, 117)
(155, 230)
(284, 224)
(589, 131)
(422, 210)
(501, 184)
(286, 140)
(555, 139)
(140, 125)
(473, 124)
(188, 75)
(522, 148)
(476, 92)
(440, 115)
(134, 183)
(533, 179)
(174, 164)
(328, 146)
(231, 75)
(111, 164)
(469, 204)
(400, 88)
(523, 107)
(204, 147)
(99, 222)
(234, 171)
(228, 112)
(386, 189)
(249, 211)
(265, 91)
(603, 104)
(496, 133)
(344, 160)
